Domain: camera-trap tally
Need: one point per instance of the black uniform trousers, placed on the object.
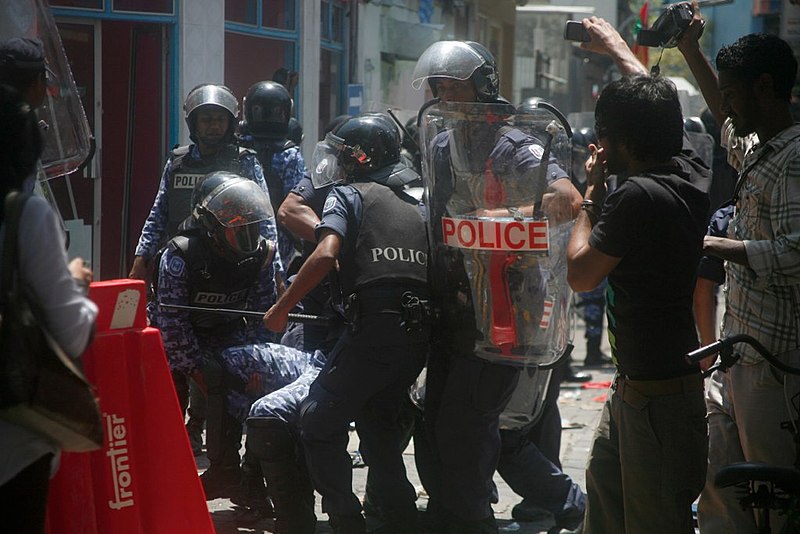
(366, 380)
(464, 398)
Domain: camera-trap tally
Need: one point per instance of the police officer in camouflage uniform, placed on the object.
(210, 112)
(376, 233)
(222, 261)
(267, 110)
(273, 441)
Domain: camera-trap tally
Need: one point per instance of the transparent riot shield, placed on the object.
(65, 130)
(527, 402)
(498, 230)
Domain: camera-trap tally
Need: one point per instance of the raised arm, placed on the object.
(607, 40)
(689, 46)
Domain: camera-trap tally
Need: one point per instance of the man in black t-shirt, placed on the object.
(648, 459)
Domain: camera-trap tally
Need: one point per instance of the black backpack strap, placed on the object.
(14, 204)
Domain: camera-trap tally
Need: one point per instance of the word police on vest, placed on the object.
(493, 234)
(186, 181)
(399, 254)
(204, 297)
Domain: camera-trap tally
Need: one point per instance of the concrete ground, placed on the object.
(580, 407)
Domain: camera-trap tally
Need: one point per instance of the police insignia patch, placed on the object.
(536, 150)
(330, 203)
(176, 266)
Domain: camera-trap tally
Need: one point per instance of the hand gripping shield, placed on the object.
(498, 234)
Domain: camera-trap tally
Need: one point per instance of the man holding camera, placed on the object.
(748, 404)
(647, 462)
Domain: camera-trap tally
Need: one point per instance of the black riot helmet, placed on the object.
(583, 137)
(362, 148)
(210, 95)
(267, 108)
(459, 60)
(230, 208)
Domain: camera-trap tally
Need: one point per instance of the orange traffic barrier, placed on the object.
(144, 479)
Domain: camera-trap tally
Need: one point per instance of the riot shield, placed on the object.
(498, 231)
(65, 130)
(527, 402)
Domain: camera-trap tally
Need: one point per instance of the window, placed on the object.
(166, 7)
(242, 11)
(274, 14)
(80, 4)
(250, 59)
(279, 14)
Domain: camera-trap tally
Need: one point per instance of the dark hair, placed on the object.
(643, 113)
(761, 53)
(20, 141)
(22, 62)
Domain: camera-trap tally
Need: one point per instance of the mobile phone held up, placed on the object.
(574, 31)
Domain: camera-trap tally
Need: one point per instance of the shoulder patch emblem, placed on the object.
(330, 203)
(536, 150)
(176, 266)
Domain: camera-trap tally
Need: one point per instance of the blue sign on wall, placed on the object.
(355, 98)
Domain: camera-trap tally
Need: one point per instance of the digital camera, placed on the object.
(668, 27)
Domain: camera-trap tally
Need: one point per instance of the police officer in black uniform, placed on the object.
(480, 168)
(377, 234)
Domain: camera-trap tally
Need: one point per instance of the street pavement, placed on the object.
(580, 406)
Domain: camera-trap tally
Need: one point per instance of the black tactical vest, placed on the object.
(215, 282)
(391, 245)
(186, 171)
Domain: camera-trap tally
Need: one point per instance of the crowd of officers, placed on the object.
(241, 224)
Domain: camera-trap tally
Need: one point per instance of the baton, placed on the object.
(294, 317)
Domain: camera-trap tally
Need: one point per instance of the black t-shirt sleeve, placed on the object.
(619, 228)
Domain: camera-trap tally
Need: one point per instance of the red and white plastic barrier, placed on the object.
(144, 479)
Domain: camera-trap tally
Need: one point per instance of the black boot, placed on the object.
(594, 356)
(571, 376)
(252, 493)
(288, 482)
(348, 524)
(457, 525)
(224, 475)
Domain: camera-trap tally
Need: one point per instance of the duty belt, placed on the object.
(414, 311)
(638, 392)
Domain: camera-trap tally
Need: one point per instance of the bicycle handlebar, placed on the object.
(725, 348)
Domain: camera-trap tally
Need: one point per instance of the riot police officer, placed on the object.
(210, 112)
(222, 261)
(491, 189)
(376, 233)
(267, 110)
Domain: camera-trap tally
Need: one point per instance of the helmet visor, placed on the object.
(325, 168)
(446, 59)
(242, 240)
(212, 95)
(238, 204)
